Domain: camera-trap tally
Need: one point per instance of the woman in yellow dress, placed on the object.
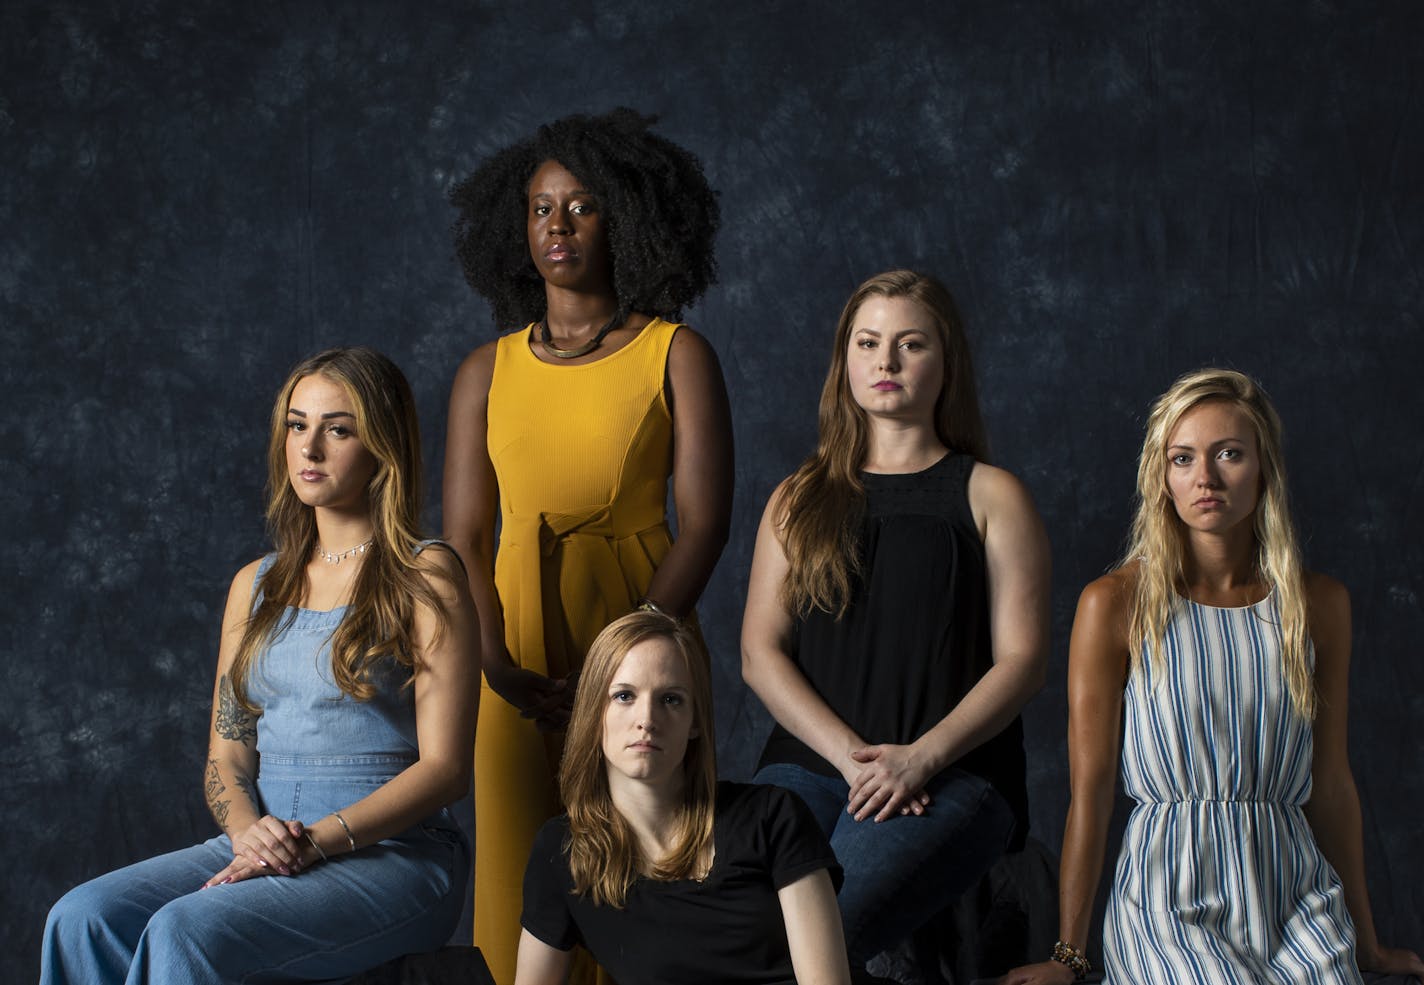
(591, 235)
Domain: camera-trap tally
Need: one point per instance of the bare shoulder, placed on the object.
(1328, 605)
(440, 566)
(1000, 501)
(993, 481)
(1110, 594)
(994, 490)
(476, 370)
(1099, 647)
(775, 512)
(244, 583)
(1326, 594)
(241, 592)
(690, 352)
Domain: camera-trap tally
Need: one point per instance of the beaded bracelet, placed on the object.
(350, 839)
(1077, 962)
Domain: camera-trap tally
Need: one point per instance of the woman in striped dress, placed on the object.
(1219, 668)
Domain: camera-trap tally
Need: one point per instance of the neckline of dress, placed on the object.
(322, 612)
(1270, 592)
(928, 468)
(527, 342)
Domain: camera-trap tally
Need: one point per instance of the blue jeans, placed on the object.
(901, 872)
(150, 923)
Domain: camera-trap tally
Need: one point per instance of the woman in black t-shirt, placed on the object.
(663, 873)
(897, 618)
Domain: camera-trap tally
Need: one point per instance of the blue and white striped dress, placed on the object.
(1220, 879)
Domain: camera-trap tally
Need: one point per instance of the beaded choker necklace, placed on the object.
(340, 556)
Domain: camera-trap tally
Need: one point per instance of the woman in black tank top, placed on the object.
(897, 618)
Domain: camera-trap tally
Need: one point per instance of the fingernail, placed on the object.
(225, 881)
(263, 863)
(284, 870)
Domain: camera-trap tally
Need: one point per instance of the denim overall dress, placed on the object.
(320, 752)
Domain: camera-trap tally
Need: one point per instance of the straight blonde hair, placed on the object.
(824, 500)
(379, 622)
(604, 858)
(1158, 541)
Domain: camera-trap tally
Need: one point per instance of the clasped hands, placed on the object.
(547, 701)
(886, 781)
(269, 846)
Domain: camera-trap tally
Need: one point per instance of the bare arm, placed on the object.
(231, 768)
(1017, 561)
(446, 703)
(813, 930)
(540, 964)
(471, 500)
(767, 664)
(1334, 807)
(701, 472)
(1097, 671)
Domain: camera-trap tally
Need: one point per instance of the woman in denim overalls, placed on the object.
(343, 713)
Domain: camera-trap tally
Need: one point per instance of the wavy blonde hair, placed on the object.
(603, 850)
(1158, 542)
(379, 621)
(823, 500)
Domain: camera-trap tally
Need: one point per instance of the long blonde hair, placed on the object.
(824, 500)
(603, 850)
(379, 622)
(1158, 541)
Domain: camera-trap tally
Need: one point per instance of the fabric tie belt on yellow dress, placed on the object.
(610, 549)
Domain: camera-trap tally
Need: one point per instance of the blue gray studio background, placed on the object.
(197, 194)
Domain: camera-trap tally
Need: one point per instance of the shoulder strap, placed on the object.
(266, 564)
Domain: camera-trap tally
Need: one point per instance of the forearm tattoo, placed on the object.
(213, 788)
(245, 784)
(233, 721)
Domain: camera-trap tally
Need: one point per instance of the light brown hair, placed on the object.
(379, 621)
(823, 501)
(604, 858)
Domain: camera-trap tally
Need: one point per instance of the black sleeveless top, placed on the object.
(915, 637)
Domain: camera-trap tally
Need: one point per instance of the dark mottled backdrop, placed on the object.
(193, 195)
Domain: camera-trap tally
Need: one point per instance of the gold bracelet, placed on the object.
(646, 604)
(315, 845)
(1077, 962)
(350, 839)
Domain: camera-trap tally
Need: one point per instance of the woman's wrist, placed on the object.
(239, 824)
(345, 832)
(311, 850)
(646, 604)
(1072, 958)
(498, 675)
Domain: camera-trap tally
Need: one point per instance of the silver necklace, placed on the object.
(340, 556)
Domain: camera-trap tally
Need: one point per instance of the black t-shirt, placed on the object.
(915, 638)
(726, 928)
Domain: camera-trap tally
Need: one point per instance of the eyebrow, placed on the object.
(1218, 441)
(325, 417)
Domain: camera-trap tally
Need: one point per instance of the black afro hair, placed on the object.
(661, 215)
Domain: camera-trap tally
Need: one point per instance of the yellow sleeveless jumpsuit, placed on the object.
(582, 455)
